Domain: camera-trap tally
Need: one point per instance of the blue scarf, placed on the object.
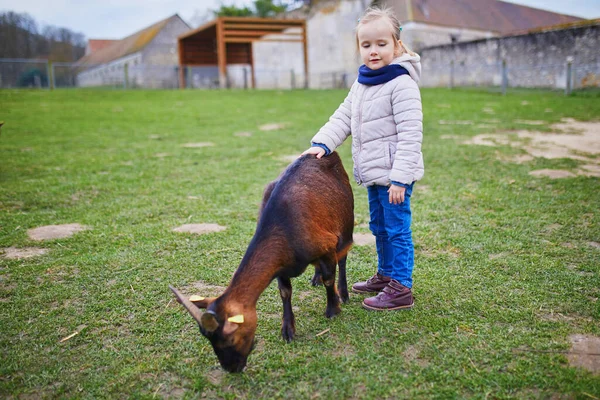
(368, 76)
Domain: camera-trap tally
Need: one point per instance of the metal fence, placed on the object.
(30, 73)
(503, 77)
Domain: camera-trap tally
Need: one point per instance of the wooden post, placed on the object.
(181, 71)
(305, 50)
(125, 75)
(504, 77)
(221, 55)
(50, 75)
(253, 73)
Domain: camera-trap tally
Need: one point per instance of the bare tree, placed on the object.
(21, 38)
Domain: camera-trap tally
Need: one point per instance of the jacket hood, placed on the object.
(412, 63)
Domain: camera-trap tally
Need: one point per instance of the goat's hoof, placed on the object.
(316, 280)
(288, 333)
(333, 311)
(344, 298)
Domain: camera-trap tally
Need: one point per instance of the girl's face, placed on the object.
(377, 44)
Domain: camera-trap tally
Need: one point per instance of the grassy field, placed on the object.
(507, 264)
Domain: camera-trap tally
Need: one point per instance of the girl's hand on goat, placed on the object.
(396, 194)
(318, 151)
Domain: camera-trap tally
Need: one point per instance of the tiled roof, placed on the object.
(129, 45)
(97, 44)
(488, 15)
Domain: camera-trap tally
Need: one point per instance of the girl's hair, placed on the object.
(375, 13)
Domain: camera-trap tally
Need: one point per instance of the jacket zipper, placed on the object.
(360, 115)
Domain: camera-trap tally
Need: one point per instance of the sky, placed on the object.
(116, 19)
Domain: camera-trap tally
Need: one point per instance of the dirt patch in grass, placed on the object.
(243, 134)
(197, 145)
(200, 229)
(14, 253)
(203, 289)
(552, 173)
(528, 122)
(51, 232)
(454, 122)
(169, 386)
(573, 139)
(289, 158)
(216, 376)
(412, 355)
(273, 126)
(585, 352)
(590, 170)
(363, 239)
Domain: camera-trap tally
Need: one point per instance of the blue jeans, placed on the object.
(390, 223)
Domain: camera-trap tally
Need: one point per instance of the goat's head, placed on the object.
(230, 328)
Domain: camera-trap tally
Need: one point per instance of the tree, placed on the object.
(21, 38)
(260, 8)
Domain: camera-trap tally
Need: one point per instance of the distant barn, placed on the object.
(146, 59)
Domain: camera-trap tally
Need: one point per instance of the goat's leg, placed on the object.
(288, 324)
(316, 279)
(342, 282)
(327, 265)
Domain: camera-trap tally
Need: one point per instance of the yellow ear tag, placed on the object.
(238, 319)
(196, 298)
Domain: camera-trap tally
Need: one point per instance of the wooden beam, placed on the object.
(259, 33)
(199, 29)
(251, 40)
(181, 66)
(252, 66)
(295, 22)
(305, 48)
(221, 54)
(273, 27)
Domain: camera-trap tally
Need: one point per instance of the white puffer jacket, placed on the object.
(386, 124)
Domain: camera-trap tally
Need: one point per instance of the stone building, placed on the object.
(332, 52)
(549, 58)
(147, 58)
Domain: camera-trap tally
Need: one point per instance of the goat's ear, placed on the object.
(229, 327)
(201, 302)
(209, 322)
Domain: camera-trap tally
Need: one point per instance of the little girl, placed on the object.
(383, 114)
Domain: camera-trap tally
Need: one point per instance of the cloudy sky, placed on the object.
(115, 19)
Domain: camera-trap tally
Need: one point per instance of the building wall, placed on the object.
(109, 74)
(155, 66)
(418, 35)
(331, 49)
(332, 52)
(533, 60)
(160, 58)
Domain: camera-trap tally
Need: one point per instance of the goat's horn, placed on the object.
(192, 309)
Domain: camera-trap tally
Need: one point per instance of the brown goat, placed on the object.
(306, 217)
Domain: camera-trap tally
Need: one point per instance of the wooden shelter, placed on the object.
(229, 40)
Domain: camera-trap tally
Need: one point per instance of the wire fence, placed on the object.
(42, 74)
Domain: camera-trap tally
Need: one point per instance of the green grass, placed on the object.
(505, 271)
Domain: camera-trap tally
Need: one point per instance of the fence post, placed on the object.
(50, 69)
(569, 77)
(293, 80)
(245, 78)
(451, 83)
(125, 75)
(504, 77)
(188, 75)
